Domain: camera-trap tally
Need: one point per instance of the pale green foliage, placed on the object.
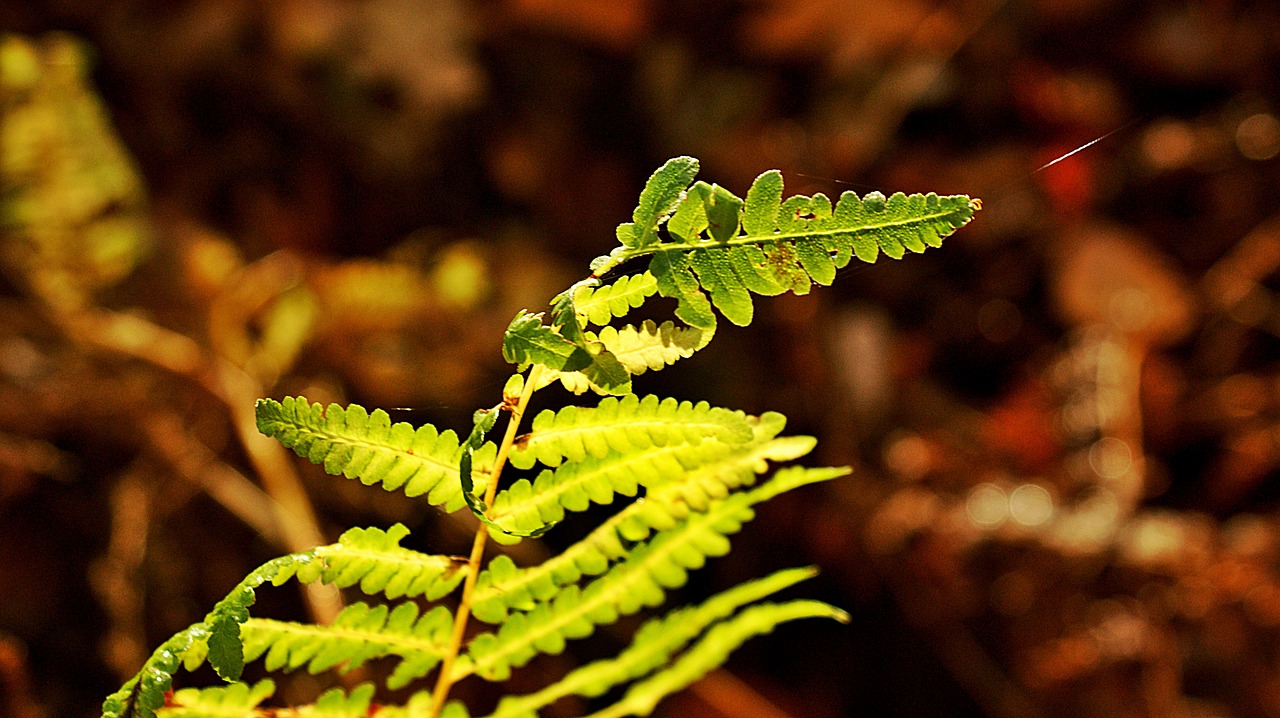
(696, 472)
(359, 633)
(352, 442)
(624, 425)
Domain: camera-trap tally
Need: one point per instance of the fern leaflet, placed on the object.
(353, 443)
(624, 425)
(600, 305)
(236, 699)
(359, 633)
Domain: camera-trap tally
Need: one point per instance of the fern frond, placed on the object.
(624, 425)
(230, 701)
(374, 559)
(575, 485)
(730, 248)
(336, 703)
(354, 443)
(640, 581)
(653, 645)
(503, 586)
(600, 305)
(359, 633)
(712, 650)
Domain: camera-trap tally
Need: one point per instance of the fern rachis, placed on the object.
(701, 470)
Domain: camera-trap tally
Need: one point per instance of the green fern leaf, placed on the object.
(575, 485)
(658, 199)
(370, 558)
(359, 633)
(335, 703)
(144, 693)
(374, 560)
(651, 345)
(237, 699)
(529, 341)
(713, 650)
(624, 425)
(771, 245)
(226, 652)
(675, 279)
(564, 349)
(227, 703)
(636, 350)
(653, 645)
(600, 305)
(353, 443)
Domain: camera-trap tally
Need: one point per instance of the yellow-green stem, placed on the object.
(444, 682)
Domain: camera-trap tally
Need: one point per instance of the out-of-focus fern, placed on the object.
(72, 203)
(701, 471)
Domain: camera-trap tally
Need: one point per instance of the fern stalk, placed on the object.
(446, 678)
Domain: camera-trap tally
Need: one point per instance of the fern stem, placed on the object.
(445, 680)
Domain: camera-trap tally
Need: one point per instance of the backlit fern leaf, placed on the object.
(624, 425)
(374, 559)
(575, 485)
(600, 305)
(236, 699)
(359, 633)
(353, 443)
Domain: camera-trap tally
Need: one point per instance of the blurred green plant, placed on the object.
(72, 204)
(699, 472)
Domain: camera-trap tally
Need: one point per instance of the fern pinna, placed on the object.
(689, 474)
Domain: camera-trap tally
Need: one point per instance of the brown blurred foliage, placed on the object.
(1065, 424)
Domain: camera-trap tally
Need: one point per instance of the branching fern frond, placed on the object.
(354, 443)
(696, 474)
(729, 248)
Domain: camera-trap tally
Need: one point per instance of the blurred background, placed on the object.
(1065, 424)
